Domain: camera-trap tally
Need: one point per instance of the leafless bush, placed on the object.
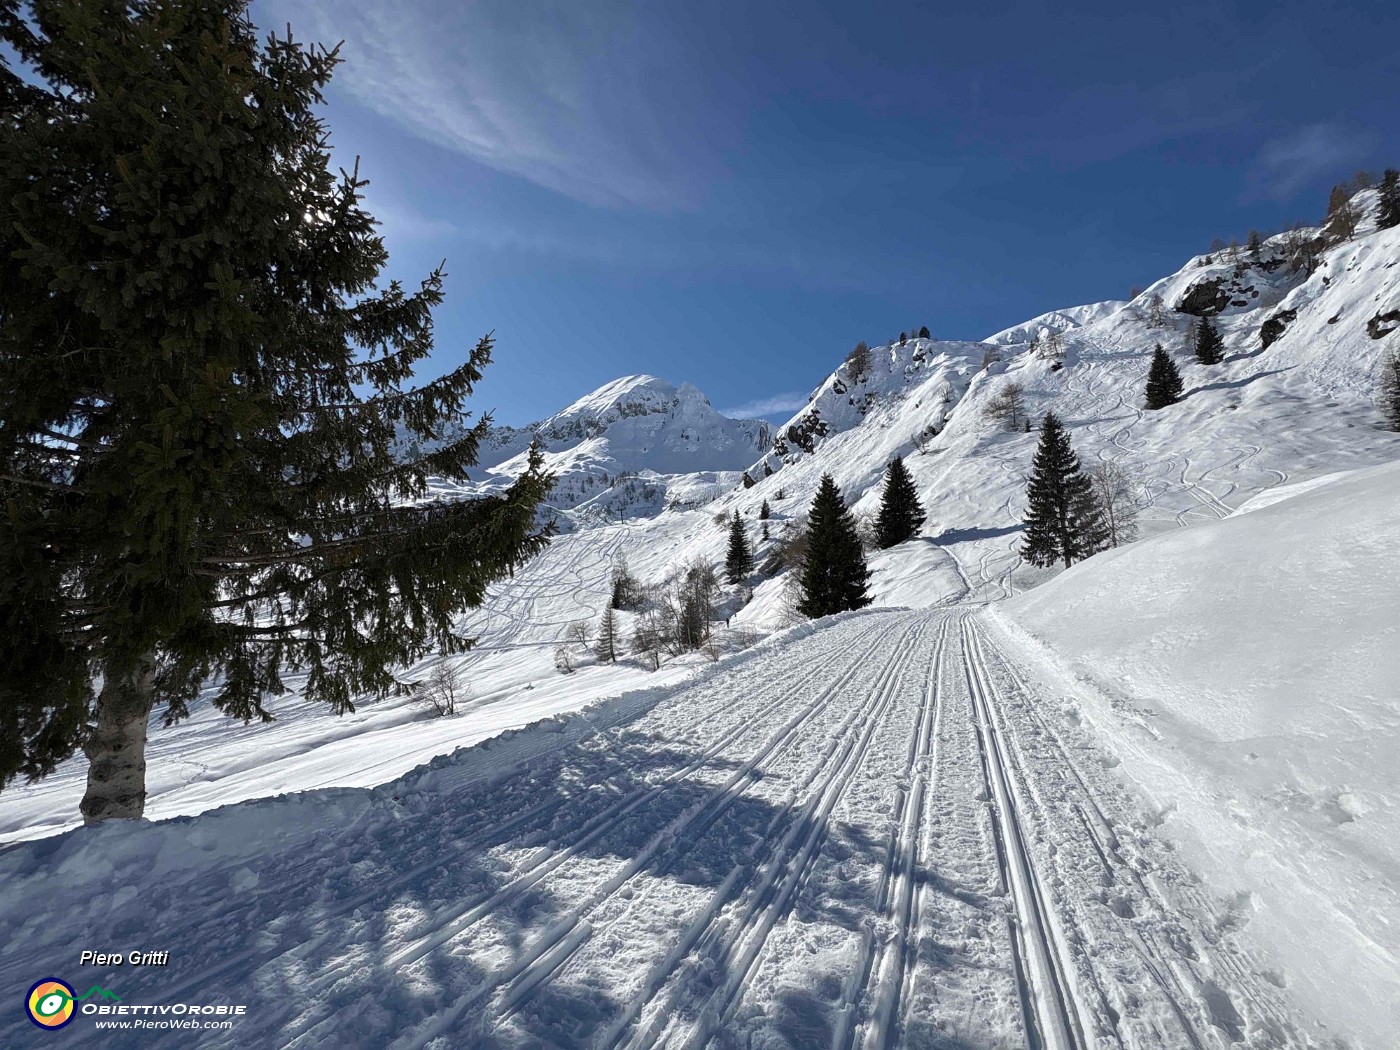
(1120, 497)
(1007, 409)
(443, 687)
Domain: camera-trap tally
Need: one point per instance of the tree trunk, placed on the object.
(116, 748)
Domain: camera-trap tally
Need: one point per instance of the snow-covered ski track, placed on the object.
(883, 834)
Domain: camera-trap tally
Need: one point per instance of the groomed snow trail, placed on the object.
(881, 835)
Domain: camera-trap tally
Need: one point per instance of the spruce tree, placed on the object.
(205, 397)
(1388, 212)
(1063, 521)
(765, 512)
(738, 564)
(923, 332)
(834, 573)
(1163, 381)
(608, 639)
(901, 513)
(1210, 348)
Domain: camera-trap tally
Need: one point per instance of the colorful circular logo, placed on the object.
(50, 1003)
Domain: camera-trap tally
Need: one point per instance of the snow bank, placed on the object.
(1248, 673)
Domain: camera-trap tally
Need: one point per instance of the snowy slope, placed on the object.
(1300, 407)
(1248, 674)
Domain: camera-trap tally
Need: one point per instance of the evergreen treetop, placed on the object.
(205, 396)
(834, 573)
(901, 514)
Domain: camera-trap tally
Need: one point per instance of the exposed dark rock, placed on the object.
(1383, 324)
(1274, 326)
(1204, 298)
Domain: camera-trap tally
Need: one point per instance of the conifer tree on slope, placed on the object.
(1163, 381)
(1210, 348)
(834, 573)
(1388, 214)
(203, 394)
(901, 513)
(1063, 521)
(738, 564)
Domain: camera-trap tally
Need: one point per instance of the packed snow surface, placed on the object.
(1248, 674)
(878, 833)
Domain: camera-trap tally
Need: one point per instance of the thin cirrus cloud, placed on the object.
(576, 98)
(1291, 163)
(767, 406)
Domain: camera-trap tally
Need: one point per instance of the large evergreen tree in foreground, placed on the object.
(202, 391)
(1163, 381)
(901, 513)
(834, 574)
(1063, 519)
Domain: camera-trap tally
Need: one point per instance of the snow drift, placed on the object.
(1248, 672)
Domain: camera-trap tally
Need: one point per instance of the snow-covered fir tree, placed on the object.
(1210, 348)
(834, 573)
(738, 562)
(1163, 381)
(1063, 519)
(901, 514)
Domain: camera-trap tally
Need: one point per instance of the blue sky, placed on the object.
(734, 192)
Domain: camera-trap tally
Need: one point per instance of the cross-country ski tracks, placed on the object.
(521, 819)
(571, 873)
(1176, 976)
(1051, 1010)
(695, 996)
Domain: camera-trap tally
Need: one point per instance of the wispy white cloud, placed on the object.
(1292, 162)
(577, 98)
(400, 221)
(773, 405)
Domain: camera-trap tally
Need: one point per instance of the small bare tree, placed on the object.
(924, 439)
(563, 660)
(1049, 345)
(1120, 497)
(442, 687)
(867, 531)
(577, 633)
(647, 638)
(1008, 407)
(1154, 312)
